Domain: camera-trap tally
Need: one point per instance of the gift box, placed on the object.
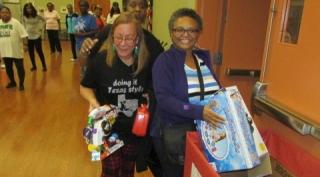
(237, 144)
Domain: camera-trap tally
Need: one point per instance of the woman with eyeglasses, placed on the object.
(92, 46)
(180, 75)
(118, 75)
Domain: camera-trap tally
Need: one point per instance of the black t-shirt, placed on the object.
(118, 86)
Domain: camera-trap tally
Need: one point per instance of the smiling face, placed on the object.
(124, 39)
(139, 8)
(185, 33)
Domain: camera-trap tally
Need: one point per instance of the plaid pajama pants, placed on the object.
(121, 163)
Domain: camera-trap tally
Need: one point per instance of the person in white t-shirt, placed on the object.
(53, 26)
(13, 37)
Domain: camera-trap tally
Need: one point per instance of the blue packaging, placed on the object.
(230, 147)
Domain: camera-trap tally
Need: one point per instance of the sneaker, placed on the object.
(11, 85)
(73, 59)
(3, 66)
(33, 69)
(21, 87)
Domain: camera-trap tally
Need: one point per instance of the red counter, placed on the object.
(195, 162)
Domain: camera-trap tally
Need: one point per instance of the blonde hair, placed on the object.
(141, 59)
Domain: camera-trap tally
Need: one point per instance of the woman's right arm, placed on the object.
(88, 94)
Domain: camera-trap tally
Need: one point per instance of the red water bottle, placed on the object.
(141, 121)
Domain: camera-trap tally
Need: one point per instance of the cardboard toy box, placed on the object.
(236, 145)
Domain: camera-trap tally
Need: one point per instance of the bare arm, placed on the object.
(88, 94)
(59, 24)
(25, 43)
(86, 46)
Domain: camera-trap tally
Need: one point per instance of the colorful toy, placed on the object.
(98, 130)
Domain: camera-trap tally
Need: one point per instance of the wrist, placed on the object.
(93, 102)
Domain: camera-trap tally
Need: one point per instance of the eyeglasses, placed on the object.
(126, 39)
(181, 31)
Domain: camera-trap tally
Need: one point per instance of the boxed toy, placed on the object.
(236, 145)
(101, 142)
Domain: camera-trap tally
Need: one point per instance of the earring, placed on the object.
(113, 49)
(136, 51)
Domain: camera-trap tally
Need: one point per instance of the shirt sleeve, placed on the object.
(91, 76)
(22, 31)
(58, 16)
(93, 24)
(102, 37)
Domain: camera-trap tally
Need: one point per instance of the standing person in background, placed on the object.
(2, 66)
(34, 25)
(13, 40)
(182, 76)
(71, 19)
(86, 27)
(100, 20)
(138, 8)
(114, 13)
(53, 26)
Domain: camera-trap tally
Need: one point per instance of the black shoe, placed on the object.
(21, 87)
(11, 85)
(33, 69)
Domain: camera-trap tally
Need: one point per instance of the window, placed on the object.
(292, 20)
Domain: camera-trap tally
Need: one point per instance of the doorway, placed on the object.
(234, 32)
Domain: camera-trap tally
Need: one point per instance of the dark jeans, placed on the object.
(154, 163)
(36, 43)
(54, 41)
(73, 45)
(9, 69)
(169, 169)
